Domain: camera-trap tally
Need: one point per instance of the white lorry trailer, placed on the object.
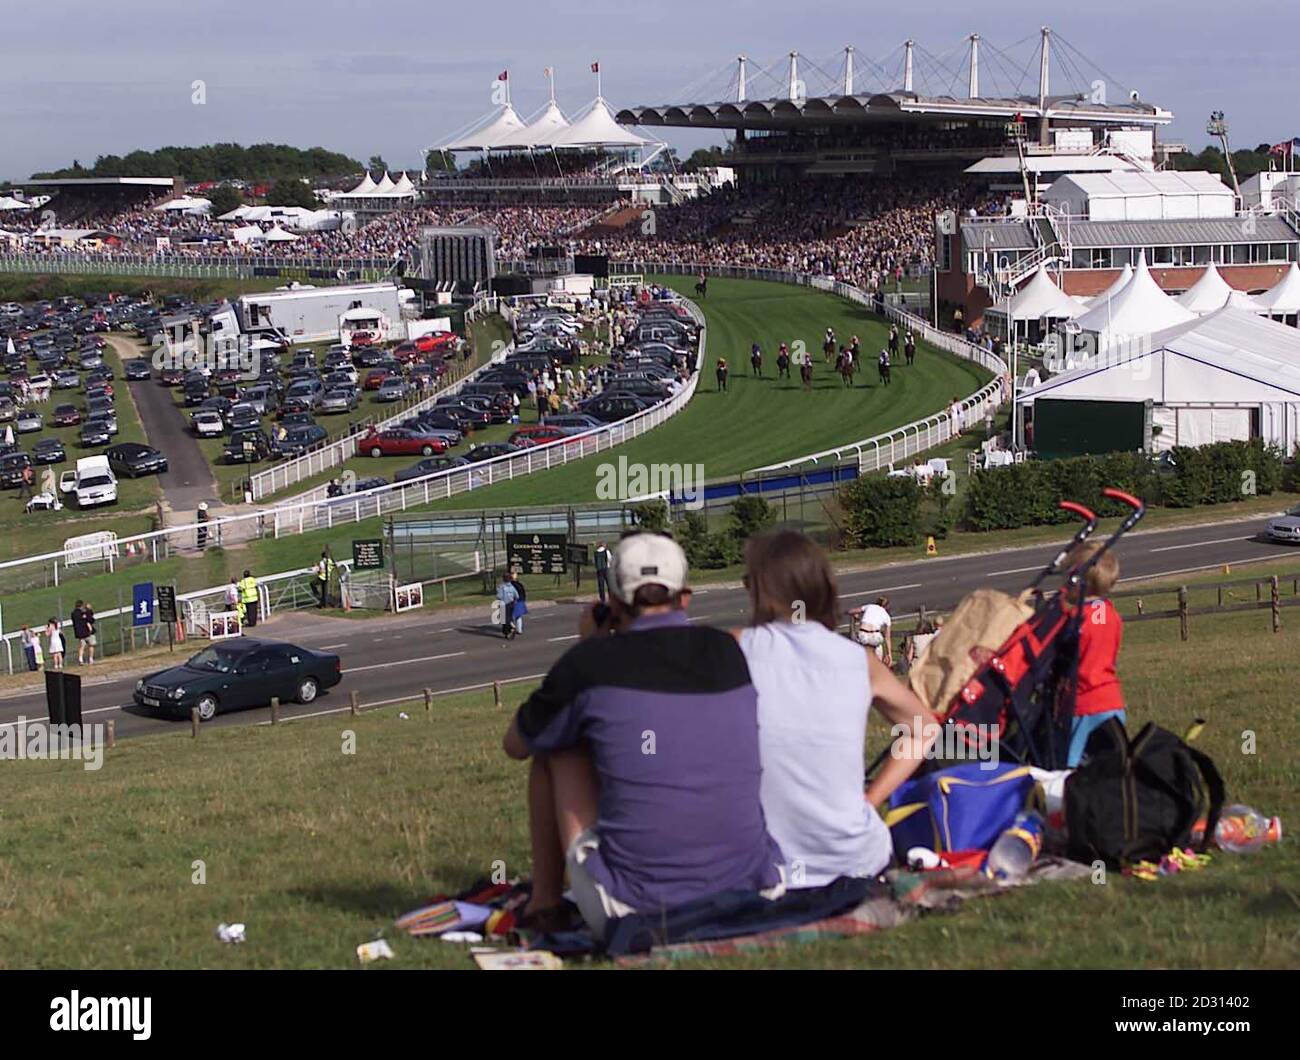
(315, 314)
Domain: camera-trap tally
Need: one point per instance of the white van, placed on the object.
(95, 483)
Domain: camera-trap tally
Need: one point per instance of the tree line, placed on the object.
(258, 162)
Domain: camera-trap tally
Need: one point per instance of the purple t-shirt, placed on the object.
(671, 719)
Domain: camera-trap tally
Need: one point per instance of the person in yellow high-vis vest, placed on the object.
(320, 583)
(250, 598)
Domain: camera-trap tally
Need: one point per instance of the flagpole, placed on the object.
(598, 95)
(550, 76)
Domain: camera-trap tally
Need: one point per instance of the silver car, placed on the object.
(339, 400)
(1285, 527)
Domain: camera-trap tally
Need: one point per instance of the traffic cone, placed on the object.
(931, 549)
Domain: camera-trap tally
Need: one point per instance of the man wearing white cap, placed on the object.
(644, 744)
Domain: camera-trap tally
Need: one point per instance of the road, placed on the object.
(392, 659)
(188, 478)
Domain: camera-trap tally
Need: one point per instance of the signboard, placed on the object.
(368, 553)
(142, 604)
(167, 603)
(578, 554)
(90, 547)
(223, 624)
(408, 597)
(537, 553)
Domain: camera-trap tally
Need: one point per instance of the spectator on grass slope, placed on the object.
(815, 690)
(646, 814)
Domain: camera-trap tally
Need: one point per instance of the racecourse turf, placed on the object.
(763, 421)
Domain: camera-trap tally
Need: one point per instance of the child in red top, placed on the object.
(1099, 696)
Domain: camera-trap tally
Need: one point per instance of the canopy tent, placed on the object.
(366, 187)
(597, 128)
(548, 125)
(278, 235)
(1228, 374)
(1283, 298)
(246, 233)
(1038, 301)
(385, 186)
(1139, 309)
(1208, 293)
(504, 128)
(185, 204)
(8, 202)
(1119, 283)
(403, 187)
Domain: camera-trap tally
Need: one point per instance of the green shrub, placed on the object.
(651, 516)
(881, 511)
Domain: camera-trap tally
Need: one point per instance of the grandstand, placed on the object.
(95, 200)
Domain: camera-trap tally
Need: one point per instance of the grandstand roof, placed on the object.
(1175, 233)
(501, 131)
(787, 113)
(997, 234)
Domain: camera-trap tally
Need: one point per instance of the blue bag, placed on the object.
(964, 807)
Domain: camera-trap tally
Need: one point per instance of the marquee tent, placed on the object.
(185, 204)
(1283, 298)
(1119, 283)
(504, 128)
(8, 202)
(1139, 309)
(1037, 301)
(548, 125)
(1208, 293)
(597, 128)
(1230, 374)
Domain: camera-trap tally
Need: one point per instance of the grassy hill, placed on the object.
(317, 850)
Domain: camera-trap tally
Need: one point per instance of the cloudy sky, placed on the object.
(393, 78)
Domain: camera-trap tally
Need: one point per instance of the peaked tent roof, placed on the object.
(1139, 309)
(503, 128)
(597, 128)
(1225, 357)
(366, 187)
(1039, 298)
(548, 125)
(278, 235)
(403, 185)
(1283, 298)
(385, 185)
(1207, 293)
(1117, 285)
(8, 202)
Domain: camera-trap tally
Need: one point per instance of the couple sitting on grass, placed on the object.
(672, 761)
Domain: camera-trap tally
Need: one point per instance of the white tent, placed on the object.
(1283, 298)
(1117, 285)
(278, 235)
(246, 234)
(403, 186)
(504, 128)
(1040, 298)
(597, 128)
(366, 187)
(185, 204)
(1208, 293)
(385, 186)
(1221, 376)
(547, 126)
(8, 202)
(1139, 309)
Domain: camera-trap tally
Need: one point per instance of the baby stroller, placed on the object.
(1024, 693)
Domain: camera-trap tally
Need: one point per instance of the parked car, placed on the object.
(609, 408)
(28, 420)
(208, 423)
(398, 441)
(12, 466)
(8, 409)
(431, 466)
(66, 379)
(239, 673)
(134, 459)
(241, 416)
(247, 447)
(137, 368)
(394, 388)
(573, 422)
(490, 451)
(339, 400)
(296, 440)
(375, 378)
(65, 416)
(48, 451)
(93, 433)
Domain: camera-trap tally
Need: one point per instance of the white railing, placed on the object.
(333, 453)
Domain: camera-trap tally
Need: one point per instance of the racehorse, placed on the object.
(783, 365)
(756, 361)
(805, 372)
(702, 287)
(846, 367)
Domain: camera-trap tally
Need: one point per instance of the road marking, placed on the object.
(886, 589)
(1198, 544)
(571, 636)
(340, 644)
(1017, 570)
(402, 662)
(1193, 570)
(42, 721)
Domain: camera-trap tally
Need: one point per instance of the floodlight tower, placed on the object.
(1218, 126)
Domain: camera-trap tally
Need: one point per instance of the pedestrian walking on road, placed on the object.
(507, 596)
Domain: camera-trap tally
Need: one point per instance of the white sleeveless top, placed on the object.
(813, 698)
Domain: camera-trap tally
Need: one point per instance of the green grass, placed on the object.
(317, 850)
(29, 287)
(763, 421)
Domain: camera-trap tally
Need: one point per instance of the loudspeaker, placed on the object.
(63, 697)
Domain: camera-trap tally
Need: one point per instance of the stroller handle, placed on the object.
(1125, 498)
(1079, 510)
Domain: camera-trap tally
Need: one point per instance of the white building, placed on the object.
(1139, 196)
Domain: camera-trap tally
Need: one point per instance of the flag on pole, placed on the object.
(595, 68)
(504, 75)
(546, 72)
(1285, 147)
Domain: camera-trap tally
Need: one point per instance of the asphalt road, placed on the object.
(188, 478)
(392, 659)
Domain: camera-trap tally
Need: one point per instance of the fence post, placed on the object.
(428, 703)
(275, 710)
(1277, 604)
(110, 739)
(496, 692)
(194, 722)
(1182, 612)
(353, 707)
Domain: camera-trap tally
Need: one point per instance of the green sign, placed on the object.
(368, 554)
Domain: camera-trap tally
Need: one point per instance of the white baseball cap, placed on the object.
(646, 559)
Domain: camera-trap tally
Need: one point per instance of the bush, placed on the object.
(1222, 472)
(750, 515)
(652, 516)
(704, 550)
(881, 511)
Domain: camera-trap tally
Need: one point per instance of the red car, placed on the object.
(406, 351)
(362, 338)
(399, 442)
(530, 436)
(66, 416)
(375, 378)
(437, 340)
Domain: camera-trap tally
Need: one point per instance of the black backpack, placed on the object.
(1135, 800)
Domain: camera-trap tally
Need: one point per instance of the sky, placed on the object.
(394, 78)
